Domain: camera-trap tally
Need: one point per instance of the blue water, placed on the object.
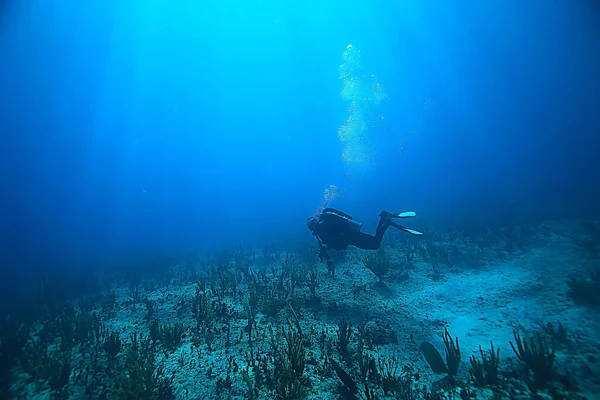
(143, 128)
(174, 126)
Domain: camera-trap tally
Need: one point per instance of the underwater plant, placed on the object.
(112, 344)
(559, 333)
(377, 263)
(295, 350)
(538, 355)
(585, 291)
(344, 334)
(484, 372)
(434, 358)
(170, 335)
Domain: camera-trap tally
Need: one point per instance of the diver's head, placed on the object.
(311, 223)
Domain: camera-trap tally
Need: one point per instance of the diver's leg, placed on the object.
(369, 242)
(405, 229)
(364, 240)
(373, 242)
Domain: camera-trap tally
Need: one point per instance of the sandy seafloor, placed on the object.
(479, 299)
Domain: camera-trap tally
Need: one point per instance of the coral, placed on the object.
(248, 382)
(275, 296)
(141, 378)
(289, 388)
(40, 363)
(170, 335)
(377, 263)
(485, 372)
(344, 377)
(200, 306)
(379, 333)
(538, 356)
(434, 358)
(112, 344)
(295, 350)
(254, 332)
(452, 353)
(344, 334)
(559, 333)
(585, 291)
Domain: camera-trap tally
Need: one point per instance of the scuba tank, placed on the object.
(352, 224)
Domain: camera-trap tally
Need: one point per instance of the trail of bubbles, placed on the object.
(362, 93)
(330, 193)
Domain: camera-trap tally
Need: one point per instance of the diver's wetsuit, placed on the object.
(338, 230)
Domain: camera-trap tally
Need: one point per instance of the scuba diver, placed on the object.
(336, 230)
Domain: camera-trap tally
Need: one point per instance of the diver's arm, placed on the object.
(319, 240)
(322, 252)
(324, 256)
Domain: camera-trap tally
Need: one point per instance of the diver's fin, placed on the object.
(406, 214)
(405, 229)
(412, 231)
